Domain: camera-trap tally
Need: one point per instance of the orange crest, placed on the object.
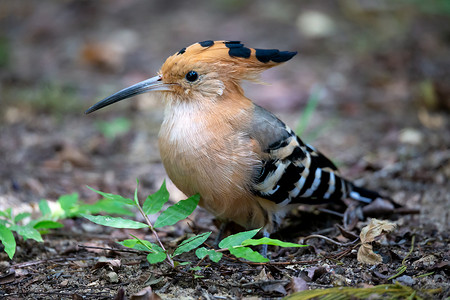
(225, 57)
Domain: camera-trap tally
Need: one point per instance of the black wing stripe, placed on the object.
(321, 160)
(337, 190)
(267, 169)
(323, 186)
(297, 154)
(309, 179)
(286, 184)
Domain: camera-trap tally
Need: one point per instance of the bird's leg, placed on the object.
(264, 246)
(219, 236)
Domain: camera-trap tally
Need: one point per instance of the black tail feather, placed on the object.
(367, 196)
(363, 194)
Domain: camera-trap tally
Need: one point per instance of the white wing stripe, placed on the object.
(314, 185)
(331, 186)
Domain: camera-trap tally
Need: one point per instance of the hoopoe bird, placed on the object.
(246, 164)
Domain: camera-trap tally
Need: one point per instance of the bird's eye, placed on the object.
(191, 76)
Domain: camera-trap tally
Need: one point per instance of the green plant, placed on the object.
(10, 223)
(67, 206)
(237, 244)
(402, 269)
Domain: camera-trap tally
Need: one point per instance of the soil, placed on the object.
(382, 73)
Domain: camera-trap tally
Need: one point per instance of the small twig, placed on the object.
(56, 293)
(275, 263)
(110, 249)
(406, 211)
(331, 212)
(343, 253)
(330, 240)
(38, 262)
(264, 282)
(201, 260)
(169, 259)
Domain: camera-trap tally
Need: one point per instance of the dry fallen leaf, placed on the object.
(315, 272)
(145, 294)
(370, 233)
(298, 284)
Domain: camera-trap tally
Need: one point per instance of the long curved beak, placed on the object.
(151, 84)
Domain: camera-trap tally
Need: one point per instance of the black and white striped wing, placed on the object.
(293, 172)
(299, 177)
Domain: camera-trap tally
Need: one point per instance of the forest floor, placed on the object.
(383, 117)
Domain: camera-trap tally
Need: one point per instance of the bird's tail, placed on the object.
(362, 194)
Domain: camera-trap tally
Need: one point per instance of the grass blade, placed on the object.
(308, 111)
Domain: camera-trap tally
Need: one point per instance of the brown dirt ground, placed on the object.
(384, 73)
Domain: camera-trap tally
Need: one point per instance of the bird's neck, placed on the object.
(224, 107)
(192, 119)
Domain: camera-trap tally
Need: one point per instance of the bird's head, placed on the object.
(204, 69)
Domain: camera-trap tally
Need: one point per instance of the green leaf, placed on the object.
(196, 268)
(147, 244)
(47, 224)
(248, 254)
(269, 241)
(21, 216)
(67, 202)
(156, 257)
(27, 232)
(129, 243)
(7, 239)
(141, 245)
(155, 202)
(191, 243)
(237, 239)
(115, 222)
(107, 206)
(114, 197)
(7, 213)
(213, 255)
(177, 212)
(44, 208)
